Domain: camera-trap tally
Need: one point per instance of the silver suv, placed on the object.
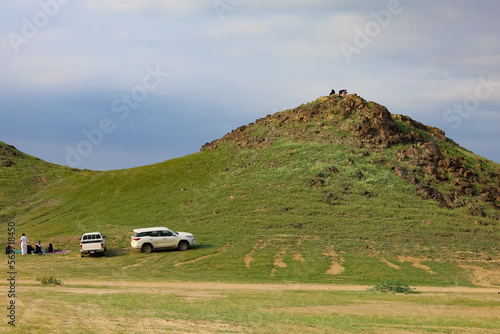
(151, 238)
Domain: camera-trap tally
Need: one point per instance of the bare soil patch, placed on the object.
(389, 263)
(336, 267)
(297, 256)
(417, 263)
(278, 260)
(481, 276)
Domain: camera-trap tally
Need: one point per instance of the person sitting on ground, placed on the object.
(9, 249)
(51, 249)
(332, 92)
(38, 247)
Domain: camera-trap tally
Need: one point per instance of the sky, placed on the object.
(113, 84)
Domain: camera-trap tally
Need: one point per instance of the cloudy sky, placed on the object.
(111, 84)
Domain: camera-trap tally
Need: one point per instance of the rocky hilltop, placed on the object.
(424, 157)
(369, 123)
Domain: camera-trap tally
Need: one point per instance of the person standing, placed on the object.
(24, 244)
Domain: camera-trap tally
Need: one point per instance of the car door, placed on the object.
(156, 239)
(169, 238)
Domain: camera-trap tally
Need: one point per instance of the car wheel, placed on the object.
(147, 248)
(183, 246)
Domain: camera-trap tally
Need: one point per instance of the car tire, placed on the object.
(146, 248)
(183, 246)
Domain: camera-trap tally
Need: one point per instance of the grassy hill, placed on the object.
(337, 190)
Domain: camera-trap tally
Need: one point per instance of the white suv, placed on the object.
(151, 238)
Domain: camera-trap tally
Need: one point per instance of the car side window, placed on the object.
(155, 234)
(167, 233)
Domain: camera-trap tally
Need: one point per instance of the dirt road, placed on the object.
(251, 286)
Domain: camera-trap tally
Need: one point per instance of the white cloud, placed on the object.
(242, 28)
(164, 7)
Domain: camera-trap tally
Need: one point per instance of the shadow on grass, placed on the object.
(192, 248)
(202, 246)
(117, 252)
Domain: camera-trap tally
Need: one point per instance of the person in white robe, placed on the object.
(24, 244)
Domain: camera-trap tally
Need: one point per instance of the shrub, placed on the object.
(45, 280)
(394, 287)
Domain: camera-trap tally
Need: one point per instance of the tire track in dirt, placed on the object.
(258, 245)
(138, 264)
(278, 258)
(417, 263)
(389, 263)
(222, 250)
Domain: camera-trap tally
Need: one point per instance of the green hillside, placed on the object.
(337, 190)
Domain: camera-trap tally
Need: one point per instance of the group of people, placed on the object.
(342, 92)
(28, 249)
